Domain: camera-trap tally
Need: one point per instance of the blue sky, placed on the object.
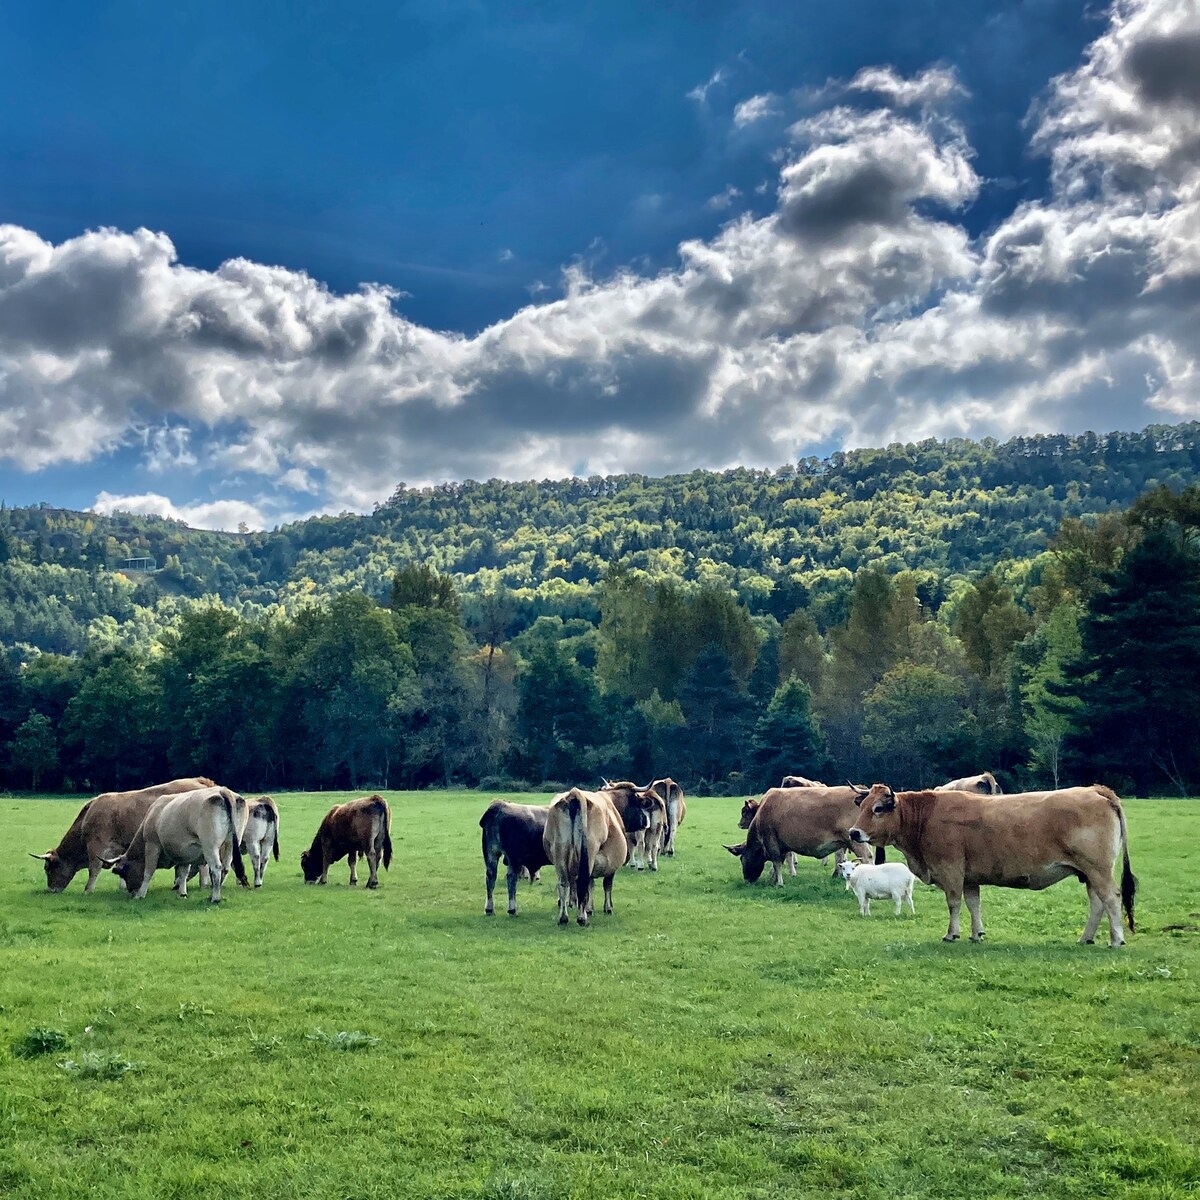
(485, 160)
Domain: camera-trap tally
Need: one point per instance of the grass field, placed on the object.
(709, 1039)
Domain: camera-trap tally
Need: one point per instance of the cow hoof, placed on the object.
(950, 937)
(258, 884)
(582, 921)
(653, 867)
(512, 912)
(977, 937)
(372, 885)
(1087, 941)
(563, 919)
(641, 868)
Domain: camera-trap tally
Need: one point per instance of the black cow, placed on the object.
(513, 832)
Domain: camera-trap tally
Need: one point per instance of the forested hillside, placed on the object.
(912, 613)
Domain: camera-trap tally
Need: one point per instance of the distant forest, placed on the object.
(908, 613)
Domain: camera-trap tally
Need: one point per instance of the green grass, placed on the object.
(709, 1039)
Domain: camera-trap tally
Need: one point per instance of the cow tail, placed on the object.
(583, 874)
(1128, 879)
(880, 855)
(238, 868)
(387, 834)
(275, 843)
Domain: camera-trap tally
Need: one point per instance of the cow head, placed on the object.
(753, 860)
(129, 871)
(878, 820)
(58, 873)
(749, 810)
(310, 864)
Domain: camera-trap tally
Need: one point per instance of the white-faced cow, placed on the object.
(585, 840)
(357, 827)
(982, 785)
(195, 829)
(673, 798)
(960, 842)
(103, 829)
(516, 833)
(814, 822)
(261, 839)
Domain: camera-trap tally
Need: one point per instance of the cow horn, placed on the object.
(44, 857)
(862, 791)
(109, 863)
(736, 851)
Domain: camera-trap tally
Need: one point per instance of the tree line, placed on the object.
(1080, 665)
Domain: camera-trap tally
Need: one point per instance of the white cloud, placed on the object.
(858, 310)
(700, 92)
(217, 514)
(723, 200)
(757, 108)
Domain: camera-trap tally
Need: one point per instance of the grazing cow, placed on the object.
(959, 842)
(348, 830)
(800, 781)
(982, 785)
(644, 817)
(887, 881)
(514, 832)
(261, 839)
(202, 828)
(584, 839)
(103, 829)
(672, 795)
(814, 822)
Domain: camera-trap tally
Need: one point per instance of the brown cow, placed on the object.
(673, 798)
(103, 829)
(644, 817)
(960, 841)
(348, 830)
(800, 781)
(584, 839)
(983, 785)
(814, 822)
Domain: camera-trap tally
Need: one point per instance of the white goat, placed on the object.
(887, 881)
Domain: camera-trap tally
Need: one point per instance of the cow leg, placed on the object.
(181, 881)
(1112, 905)
(791, 863)
(217, 875)
(608, 882)
(513, 879)
(564, 897)
(583, 903)
(1096, 907)
(151, 867)
(373, 865)
(954, 899)
(94, 868)
(352, 858)
(971, 896)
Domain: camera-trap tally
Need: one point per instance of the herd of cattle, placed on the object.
(958, 837)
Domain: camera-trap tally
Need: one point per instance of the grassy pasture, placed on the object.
(709, 1039)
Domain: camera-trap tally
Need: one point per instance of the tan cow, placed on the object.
(347, 830)
(102, 830)
(673, 798)
(800, 781)
(585, 840)
(189, 830)
(261, 839)
(961, 841)
(814, 822)
(983, 785)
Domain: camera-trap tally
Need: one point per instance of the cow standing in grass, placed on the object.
(960, 841)
(346, 831)
(673, 798)
(516, 833)
(261, 839)
(585, 840)
(644, 817)
(103, 829)
(814, 822)
(186, 831)
(983, 785)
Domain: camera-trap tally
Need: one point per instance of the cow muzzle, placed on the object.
(857, 836)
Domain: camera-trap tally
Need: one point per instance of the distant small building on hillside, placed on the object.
(145, 565)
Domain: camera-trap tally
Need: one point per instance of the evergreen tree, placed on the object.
(718, 712)
(787, 739)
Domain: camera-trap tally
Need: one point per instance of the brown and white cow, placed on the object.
(800, 781)
(673, 798)
(202, 828)
(585, 840)
(961, 841)
(102, 830)
(261, 839)
(983, 785)
(814, 822)
(644, 817)
(347, 830)
(514, 832)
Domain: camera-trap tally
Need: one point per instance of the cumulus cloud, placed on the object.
(858, 310)
(216, 514)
